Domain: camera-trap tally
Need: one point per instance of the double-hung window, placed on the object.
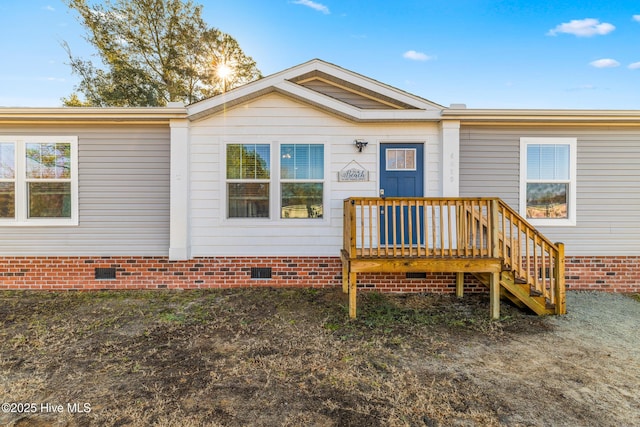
(7, 180)
(301, 180)
(253, 191)
(548, 180)
(248, 180)
(38, 180)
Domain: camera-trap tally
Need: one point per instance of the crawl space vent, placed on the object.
(105, 273)
(261, 272)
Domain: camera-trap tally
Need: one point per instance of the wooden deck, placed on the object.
(482, 236)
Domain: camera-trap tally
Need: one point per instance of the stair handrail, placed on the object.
(541, 265)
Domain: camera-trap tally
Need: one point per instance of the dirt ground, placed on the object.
(291, 357)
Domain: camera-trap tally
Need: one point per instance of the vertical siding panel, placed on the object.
(608, 175)
(123, 195)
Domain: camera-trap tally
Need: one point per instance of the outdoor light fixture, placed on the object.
(360, 144)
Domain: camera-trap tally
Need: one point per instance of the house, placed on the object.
(247, 188)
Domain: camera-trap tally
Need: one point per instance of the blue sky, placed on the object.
(485, 53)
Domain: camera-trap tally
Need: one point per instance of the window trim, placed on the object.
(227, 181)
(571, 198)
(274, 184)
(282, 180)
(21, 181)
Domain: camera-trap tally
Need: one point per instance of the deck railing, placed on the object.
(454, 228)
(532, 257)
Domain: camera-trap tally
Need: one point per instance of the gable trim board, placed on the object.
(283, 82)
(152, 182)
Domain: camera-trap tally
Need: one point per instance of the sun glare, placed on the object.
(224, 71)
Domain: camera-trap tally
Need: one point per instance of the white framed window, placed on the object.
(39, 180)
(548, 180)
(7, 180)
(301, 181)
(248, 180)
(274, 181)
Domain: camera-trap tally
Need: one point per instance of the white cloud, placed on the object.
(636, 18)
(313, 5)
(634, 66)
(416, 56)
(583, 28)
(49, 8)
(605, 63)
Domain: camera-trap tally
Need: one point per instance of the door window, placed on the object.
(399, 159)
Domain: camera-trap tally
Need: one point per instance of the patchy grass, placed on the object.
(251, 357)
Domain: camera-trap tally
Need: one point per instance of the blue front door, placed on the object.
(401, 175)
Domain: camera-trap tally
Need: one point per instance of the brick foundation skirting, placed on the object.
(614, 274)
(610, 274)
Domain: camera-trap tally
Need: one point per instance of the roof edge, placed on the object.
(538, 115)
(118, 114)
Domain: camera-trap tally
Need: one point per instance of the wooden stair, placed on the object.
(519, 292)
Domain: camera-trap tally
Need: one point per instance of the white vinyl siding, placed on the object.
(123, 195)
(278, 120)
(607, 176)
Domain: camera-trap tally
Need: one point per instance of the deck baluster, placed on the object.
(483, 236)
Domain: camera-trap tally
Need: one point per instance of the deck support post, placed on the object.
(353, 287)
(560, 289)
(459, 284)
(345, 276)
(494, 298)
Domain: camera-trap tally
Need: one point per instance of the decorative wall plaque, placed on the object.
(353, 172)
